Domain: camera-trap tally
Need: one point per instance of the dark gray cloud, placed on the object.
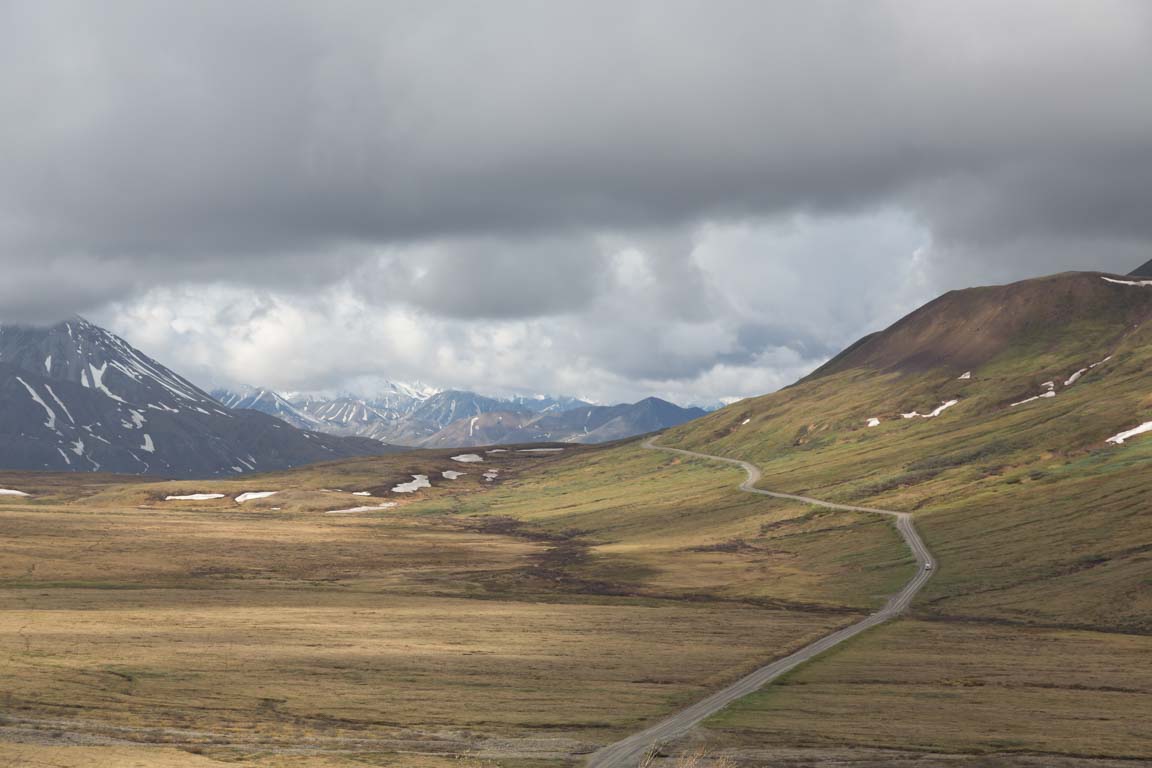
(492, 160)
(492, 278)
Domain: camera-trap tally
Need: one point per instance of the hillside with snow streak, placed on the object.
(74, 397)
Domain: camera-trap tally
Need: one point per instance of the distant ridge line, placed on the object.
(1144, 270)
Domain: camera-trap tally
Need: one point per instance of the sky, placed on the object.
(696, 200)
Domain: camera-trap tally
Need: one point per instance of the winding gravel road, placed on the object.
(627, 752)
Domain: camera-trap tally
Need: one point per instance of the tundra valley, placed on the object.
(519, 384)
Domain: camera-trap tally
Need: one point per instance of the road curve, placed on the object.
(627, 752)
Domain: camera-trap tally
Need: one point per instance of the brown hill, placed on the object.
(962, 330)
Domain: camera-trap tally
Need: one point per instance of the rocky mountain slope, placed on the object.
(75, 397)
(266, 401)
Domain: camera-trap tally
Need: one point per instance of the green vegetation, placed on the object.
(566, 604)
(586, 593)
(1040, 527)
(1025, 503)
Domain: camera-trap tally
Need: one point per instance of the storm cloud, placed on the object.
(677, 195)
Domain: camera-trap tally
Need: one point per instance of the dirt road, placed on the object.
(627, 752)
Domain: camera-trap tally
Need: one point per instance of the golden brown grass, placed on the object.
(286, 665)
(947, 687)
(696, 758)
(676, 526)
(437, 627)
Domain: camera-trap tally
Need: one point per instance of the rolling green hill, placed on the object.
(1035, 516)
(1003, 418)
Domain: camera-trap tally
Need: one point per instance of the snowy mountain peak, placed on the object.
(414, 390)
(266, 401)
(78, 352)
(75, 397)
(462, 418)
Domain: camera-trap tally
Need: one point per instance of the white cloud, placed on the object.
(726, 310)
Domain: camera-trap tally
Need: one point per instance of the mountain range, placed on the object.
(74, 397)
(419, 417)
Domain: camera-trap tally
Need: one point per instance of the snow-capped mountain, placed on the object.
(401, 416)
(424, 417)
(265, 401)
(406, 419)
(547, 403)
(442, 409)
(587, 424)
(351, 416)
(76, 397)
(403, 391)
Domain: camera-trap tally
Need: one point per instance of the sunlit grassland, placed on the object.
(1027, 502)
(673, 525)
(1040, 611)
(960, 688)
(281, 666)
(578, 597)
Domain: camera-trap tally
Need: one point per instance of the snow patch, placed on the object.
(472, 425)
(10, 492)
(195, 497)
(745, 422)
(497, 450)
(539, 450)
(1127, 282)
(1120, 438)
(934, 413)
(451, 474)
(97, 375)
(491, 475)
(873, 422)
(361, 493)
(416, 483)
(965, 376)
(1049, 393)
(1075, 377)
(60, 403)
(51, 422)
(250, 495)
(353, 510)
(467, 458)
(148, 446)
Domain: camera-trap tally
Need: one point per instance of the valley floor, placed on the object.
(186, 632)
(522, 622)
